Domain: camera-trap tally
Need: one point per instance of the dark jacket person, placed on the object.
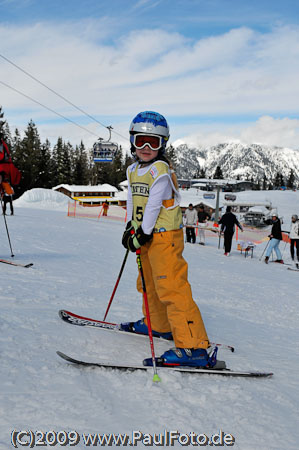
(228, 222)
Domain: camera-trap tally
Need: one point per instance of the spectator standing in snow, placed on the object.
(294, 237)
(275, 238)
(105, 208)
(203, 217)
(190, 222)
(7, 193)
(228, 222)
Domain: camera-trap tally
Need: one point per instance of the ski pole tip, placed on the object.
(156, 378)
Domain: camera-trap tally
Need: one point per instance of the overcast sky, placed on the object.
(217, 69)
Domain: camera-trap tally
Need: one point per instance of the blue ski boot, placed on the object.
(140, 327)
(190, 357)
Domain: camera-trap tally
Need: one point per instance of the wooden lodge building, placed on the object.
(90, 195)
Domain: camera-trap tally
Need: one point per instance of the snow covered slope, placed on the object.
(244, 303)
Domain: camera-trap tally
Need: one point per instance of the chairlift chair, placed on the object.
(104, 151)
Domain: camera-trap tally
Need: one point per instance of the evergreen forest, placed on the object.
(46, 166)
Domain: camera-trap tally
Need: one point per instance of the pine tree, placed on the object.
(44, 177)
(16, 151)
(56, 162)
(257, 186)
(171, 155)
(62, 163)
(67, 157)
(291, 180)
(116, 169)
(2, 122)
(127, 162)
(277, 181)
(27, 157)
(196, 174)
(264, 182)
(4, 129)
(80, 166)
(16, 146)
(102, 173)
(218, 174)
(202, 173)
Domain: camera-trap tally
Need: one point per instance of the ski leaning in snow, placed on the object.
(74, 319)
(12, 263)
(282, 263)
(188, 370)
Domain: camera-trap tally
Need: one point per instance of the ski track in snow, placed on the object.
(244, 303)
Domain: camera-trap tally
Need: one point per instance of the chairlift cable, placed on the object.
(59, 95)
(49, 109)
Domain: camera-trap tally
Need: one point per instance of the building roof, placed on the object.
(252, 203)
(83, 188)
(196, 197)
(215, 181)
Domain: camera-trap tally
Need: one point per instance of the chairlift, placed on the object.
(104, 151)
(230, 197)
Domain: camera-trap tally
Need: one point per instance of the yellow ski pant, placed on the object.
(171, 305)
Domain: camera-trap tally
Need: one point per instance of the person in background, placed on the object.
(105, 208)
(275, 238)
(190, 223)
(7, 193)
(294, 237)
(228, 222)
(203, 217)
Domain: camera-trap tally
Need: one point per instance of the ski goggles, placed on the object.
(140, 140)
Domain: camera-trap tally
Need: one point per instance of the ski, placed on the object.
(283, 264)
(188, 370)
(12, 263)
(293, 269)
(75, 319)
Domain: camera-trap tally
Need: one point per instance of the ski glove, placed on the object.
(129, 231)
(134, 238)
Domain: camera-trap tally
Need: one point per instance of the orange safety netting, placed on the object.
(114, 212)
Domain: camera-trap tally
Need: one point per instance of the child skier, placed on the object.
(155, 219)
(294, 237)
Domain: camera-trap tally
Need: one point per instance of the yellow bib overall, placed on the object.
(171, 305)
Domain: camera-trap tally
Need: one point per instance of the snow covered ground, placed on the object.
(244, 302)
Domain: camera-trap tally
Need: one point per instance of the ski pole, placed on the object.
(264, 250)
(219, 239)
(150, 333)
(284, 249)
(116, 284)
(12, 255)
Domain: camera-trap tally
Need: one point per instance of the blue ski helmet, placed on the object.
(150, 122)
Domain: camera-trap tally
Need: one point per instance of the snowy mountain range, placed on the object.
(237, 160)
